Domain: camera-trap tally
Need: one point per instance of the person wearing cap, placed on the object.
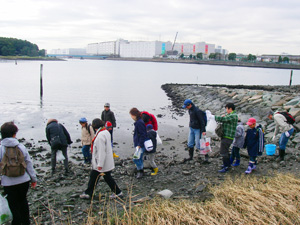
(253, 143)
(229, 124)
(151, 133)
(87, 135)
(108, 115)
(287, 130)
(197, 127)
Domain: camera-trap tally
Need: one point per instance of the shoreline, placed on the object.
(214, 63)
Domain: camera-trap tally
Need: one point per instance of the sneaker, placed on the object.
(114, 196)
(224, 170)
(249, 170)
(85, 196)
(254, 167)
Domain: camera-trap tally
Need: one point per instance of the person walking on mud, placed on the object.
(229, 124)
(58, 138)
(102, 162)
(87, 135)
(197, 128)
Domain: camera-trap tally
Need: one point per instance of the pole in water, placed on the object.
(41, 81)
(291, 78)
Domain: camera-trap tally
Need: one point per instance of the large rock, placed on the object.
(295, 112)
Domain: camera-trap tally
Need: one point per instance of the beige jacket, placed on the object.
(102, 153)
(86, 137)
(281, 124)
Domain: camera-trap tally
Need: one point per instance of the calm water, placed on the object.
(77, 88)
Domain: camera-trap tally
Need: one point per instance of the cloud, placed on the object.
(239, 26)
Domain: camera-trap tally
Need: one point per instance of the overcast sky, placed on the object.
(240, 26)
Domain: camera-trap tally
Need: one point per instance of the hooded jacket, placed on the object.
(29, 175)
(196, 118)
(239, 137)
(56, 129)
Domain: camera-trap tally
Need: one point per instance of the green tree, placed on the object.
(181, 56)
(280, 59)
(286, 59)
(232, 56)
(199, 55)
(190, 56)
(251, 57)
(212, 56)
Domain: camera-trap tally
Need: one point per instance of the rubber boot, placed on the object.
(191, 154)
(281, 155)
(140, 174)
(206, 159)
(155, 171)
(231, 160)
(237, 162)
(115, 155)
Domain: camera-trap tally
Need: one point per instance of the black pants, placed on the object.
(53, 157)
(94, 178)
(18, 204)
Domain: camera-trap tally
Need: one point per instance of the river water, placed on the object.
(79, 88)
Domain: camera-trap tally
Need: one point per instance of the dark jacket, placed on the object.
(54, 129)
(151, 134)
(253, 140)
(108, 116)
(140, 133)
(196, 118)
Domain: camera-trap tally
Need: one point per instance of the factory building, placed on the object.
(105, 48)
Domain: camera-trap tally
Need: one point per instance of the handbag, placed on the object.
(5, 213)
(55, 142)
(219, 130)
(148, 145)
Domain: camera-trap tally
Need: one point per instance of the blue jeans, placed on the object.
(139, 162)
(86, 153)
(283, 139)
(194, 137)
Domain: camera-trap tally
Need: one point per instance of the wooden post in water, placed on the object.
(291, 78)
(41, 81)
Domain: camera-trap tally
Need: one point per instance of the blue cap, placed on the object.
(149, 127)
(186, 103)
(83, 120)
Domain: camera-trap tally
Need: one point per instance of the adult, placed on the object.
(16, 188)
(197, 127)
(287, 130)
(149, 118)
(102, 161)
(108, 115)
(87, 135)
(139, 137)
(229, 124)
(58, 138)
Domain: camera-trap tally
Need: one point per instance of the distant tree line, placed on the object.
(18, 47)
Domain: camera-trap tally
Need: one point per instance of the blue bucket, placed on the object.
(270, 149)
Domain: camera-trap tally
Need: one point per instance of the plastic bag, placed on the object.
(207, 148)
(148, 145)
(5, 213)
(59, 156)
(158, 140)
(211, 127)
(138, 153)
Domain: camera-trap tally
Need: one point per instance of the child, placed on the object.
(152, 135)
(238, 143)
(87, 135)
(109, 127)
(254, 143)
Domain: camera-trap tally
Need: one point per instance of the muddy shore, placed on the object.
(57, 198)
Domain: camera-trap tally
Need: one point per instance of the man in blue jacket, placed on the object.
(197, 127)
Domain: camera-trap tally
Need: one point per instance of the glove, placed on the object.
(287, 134)
(273, 138)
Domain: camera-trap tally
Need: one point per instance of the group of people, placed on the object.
(97, 144)
(234, 134)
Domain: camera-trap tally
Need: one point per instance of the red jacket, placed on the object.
(152, 120)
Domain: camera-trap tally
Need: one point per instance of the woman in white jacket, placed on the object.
(102, 161)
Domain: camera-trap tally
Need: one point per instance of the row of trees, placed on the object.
(17, 47)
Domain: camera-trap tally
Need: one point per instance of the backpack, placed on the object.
(204, 117)
(289, 118)
(13, 162)
(261, 139)
(89, 128)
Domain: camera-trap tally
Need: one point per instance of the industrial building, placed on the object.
(68, 51)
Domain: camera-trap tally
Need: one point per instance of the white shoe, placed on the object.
(85, 196)
(114, 196)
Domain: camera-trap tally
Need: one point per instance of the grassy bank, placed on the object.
(244, 200)
(30, 58)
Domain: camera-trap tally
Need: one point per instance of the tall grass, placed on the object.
(244, 200)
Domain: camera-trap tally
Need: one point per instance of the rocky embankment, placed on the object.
(56, 198)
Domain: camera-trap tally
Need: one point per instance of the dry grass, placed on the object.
(245, 200)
